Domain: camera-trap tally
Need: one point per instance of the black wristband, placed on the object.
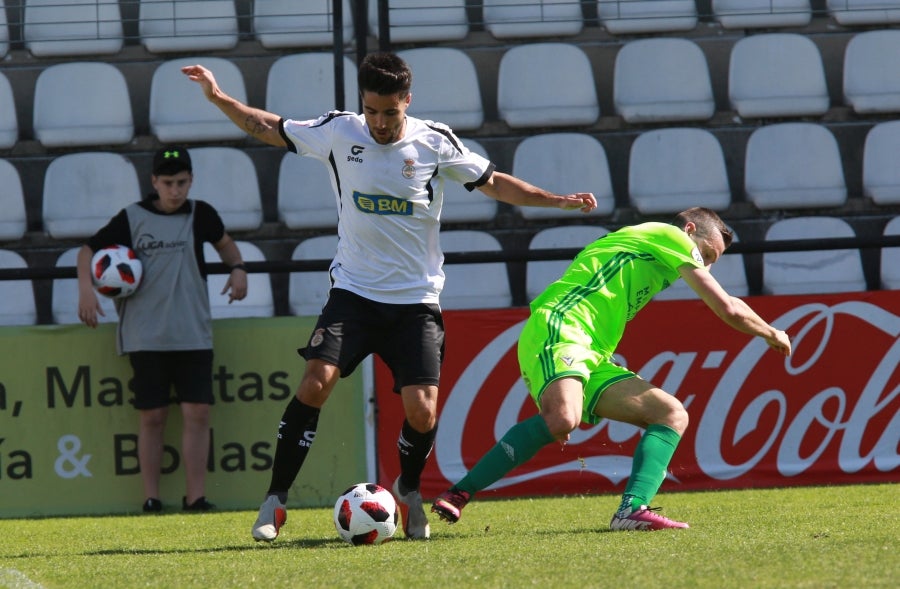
(239, 267)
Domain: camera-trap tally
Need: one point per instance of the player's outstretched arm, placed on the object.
(732, 310)
(255, 122)
(515, 191)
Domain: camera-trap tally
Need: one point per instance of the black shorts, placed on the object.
(156, 374)
(409, 338)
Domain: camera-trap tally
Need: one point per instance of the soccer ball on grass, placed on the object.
(116, 271)
(366, 513)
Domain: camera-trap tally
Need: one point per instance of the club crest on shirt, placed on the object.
(408, 170)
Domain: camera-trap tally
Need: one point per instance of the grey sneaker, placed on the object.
(272, 515)
(415, 522)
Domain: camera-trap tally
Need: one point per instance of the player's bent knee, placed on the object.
(560, 426)
(422, 419)
(678, 419)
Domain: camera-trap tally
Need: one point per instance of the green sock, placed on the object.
(648, 470)
(517, 445)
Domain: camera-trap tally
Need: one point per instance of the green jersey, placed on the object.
(612, 279)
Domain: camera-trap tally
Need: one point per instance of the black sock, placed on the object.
(414, 449)
(296, 433)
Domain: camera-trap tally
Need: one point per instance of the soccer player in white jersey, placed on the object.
(387, 170)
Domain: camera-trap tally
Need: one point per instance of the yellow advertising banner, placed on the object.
(68, 430)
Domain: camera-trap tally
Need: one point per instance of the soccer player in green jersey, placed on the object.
(566, 347)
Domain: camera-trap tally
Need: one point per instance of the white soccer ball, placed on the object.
(366, 513)
(116, 271)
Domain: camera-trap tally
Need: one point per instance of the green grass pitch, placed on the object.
(815, 537)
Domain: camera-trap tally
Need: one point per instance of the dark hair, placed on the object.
(707, 222)
(384, 73)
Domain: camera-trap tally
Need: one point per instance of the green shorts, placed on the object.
(566, 352)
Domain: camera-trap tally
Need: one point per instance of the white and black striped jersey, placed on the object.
(389, 200)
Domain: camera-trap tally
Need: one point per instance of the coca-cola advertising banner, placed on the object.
(828, 414)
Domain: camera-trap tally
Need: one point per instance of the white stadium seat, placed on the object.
(258, 302)
(528, 100)
(17, 304)
(226, 178)
(13, 222)
(506, 19)
(662, 79)
(188, 25)
(423, 20)
(72, 27)
(477, 285)
(305, 194)
(9, 121)
(890, 259)
(777, 75)
(794, 166)
(300, 86)
(289, 23)
(308, 290)
(812, 272)
(871, 82)
(72, 183)
(564, 163)
(82, 104)
(64, 299)
(752, 14)
(628, 17)
(462, 206)
(457, 104)
(864, 12)
(672, 169)
(881, 174)
(540, 273)
(178, 110)
(4, 31)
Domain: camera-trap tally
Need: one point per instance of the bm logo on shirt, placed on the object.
(380, 204)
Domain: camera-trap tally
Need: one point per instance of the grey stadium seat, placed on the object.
(82, 104)
(751, 14)
(17, 304)
(777, 75)
(662, 79)
(812, 272)
(258, 302)
(474, 285)
(794, 166)
(506, 19)
(674, 168)
(289, 23)
(527, 100)
(564, 163)
(188, 25)
(72, 182)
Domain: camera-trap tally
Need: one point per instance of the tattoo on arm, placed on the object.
(254, 126)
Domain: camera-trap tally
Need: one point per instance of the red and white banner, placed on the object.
(828, 414)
